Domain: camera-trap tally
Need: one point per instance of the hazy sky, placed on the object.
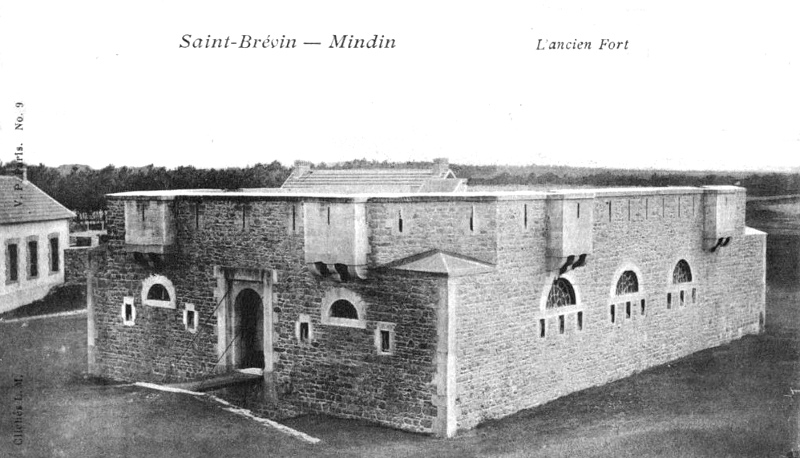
(703, 85)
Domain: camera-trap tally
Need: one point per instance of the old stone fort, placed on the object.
(398, 297)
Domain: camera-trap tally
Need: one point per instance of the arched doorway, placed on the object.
(249, 329)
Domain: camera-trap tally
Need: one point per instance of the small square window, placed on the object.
(128, 311)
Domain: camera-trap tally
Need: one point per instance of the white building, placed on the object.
(34, 230)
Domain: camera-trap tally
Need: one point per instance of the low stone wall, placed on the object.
(76, 264)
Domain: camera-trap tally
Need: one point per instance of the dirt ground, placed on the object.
(731, 401)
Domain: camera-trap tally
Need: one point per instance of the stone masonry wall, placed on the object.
(465, 227)
(504, 365)
(338, 372)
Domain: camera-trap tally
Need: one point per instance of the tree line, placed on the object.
(83, 189)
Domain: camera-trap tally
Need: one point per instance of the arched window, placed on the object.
(682, 273)
(561, 294)
(158, 292)
(628, 283)
(343, 309)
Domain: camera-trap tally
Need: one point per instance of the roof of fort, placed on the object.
(22, 202)
(437, 179)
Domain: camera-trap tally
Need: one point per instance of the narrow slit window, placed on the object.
(580, 321)
(329, 216)
(609, 210)
(613, 313)
(627, 309)
(541, 328)
(643, 305)
(683, 302)
(128, 312)
(525, 216)
(400, 221)
(244, 217)
(561, 324)
(472, 219)
(579, 210)
(197, 215)
(694, 295)
(669, 300)
(294, 217)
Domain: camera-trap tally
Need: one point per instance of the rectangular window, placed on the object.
(385, 341)
(627, 309)
(55, 256)
(541, 328)
(561, 324)
(304, 332)
(13, 262)
(33, 259)
(580, 321)
(643, 306)
(683, 302)
(128, 311)
(694, 295)
(669, 300)
(613, 317)
(384, 338)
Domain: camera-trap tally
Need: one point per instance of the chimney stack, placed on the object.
(302, 167)
(440, 166)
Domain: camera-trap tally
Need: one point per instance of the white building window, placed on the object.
(158, 291)
(190, 318)
(128, 311)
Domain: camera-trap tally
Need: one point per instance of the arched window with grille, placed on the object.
(158, 291)
(682, 272)
(343, 309)
(628, 283)
(561, 294)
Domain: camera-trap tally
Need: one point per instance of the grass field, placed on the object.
(731, 401)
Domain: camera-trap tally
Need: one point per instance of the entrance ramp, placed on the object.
(219, 381)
